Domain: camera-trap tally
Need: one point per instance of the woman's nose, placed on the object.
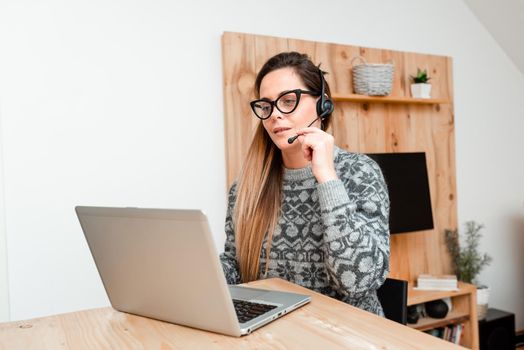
(277, 114)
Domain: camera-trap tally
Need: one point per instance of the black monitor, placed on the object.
(406, 176)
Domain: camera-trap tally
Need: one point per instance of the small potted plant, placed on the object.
(420, 87)
(468, 261)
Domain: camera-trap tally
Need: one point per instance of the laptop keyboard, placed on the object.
(247, 310)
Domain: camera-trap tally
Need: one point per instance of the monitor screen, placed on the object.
(406, 176)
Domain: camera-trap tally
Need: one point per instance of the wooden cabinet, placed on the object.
(464, 310)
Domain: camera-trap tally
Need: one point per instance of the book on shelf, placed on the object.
(458, 334)
(452, 333)
(437, 282)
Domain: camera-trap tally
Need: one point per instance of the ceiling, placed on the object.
(504, 19)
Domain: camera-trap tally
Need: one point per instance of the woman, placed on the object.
(306, 211)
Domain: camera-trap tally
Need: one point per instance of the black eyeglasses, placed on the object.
(286, 103)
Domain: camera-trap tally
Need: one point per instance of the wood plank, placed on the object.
(345, 118)
(421, 296)
(388, 99)
(266, 47)
(238, 60)
(325, 323)
(427, 323)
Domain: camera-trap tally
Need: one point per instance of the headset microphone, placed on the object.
(324, 105)
(293, 138)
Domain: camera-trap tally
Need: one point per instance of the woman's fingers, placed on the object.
(317, 147)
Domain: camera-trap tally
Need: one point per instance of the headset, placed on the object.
(325, 105)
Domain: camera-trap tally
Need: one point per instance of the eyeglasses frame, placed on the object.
(273, 104)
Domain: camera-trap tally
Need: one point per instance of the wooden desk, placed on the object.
(324, 323)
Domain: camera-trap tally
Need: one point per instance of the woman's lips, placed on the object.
(280, 130)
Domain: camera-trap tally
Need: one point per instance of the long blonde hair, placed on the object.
(259, 187)
(258, 202)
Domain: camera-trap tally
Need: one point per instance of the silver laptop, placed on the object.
(162, 264)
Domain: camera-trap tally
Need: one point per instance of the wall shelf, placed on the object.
(453, 317)
(464, 310)
(421, 296)
(388, 99)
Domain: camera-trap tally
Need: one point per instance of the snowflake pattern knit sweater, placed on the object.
(332, 238)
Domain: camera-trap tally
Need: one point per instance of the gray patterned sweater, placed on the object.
(332, 238)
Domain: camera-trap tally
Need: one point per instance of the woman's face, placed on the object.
(279, 126)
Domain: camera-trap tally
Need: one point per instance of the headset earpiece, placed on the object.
(324, 105)
(327, 108)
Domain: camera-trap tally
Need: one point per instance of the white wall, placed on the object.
(503, 21)
(4, 290)
(120, 103)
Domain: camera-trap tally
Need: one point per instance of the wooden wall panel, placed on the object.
(238, 62)
(362, 127)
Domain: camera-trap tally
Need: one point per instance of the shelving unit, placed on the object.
(464, 310)
(454, 317)
(388, 99)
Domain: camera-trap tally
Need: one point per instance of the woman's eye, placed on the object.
(289, 101)
(263, 107)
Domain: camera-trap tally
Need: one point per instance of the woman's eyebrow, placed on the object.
(279, 94)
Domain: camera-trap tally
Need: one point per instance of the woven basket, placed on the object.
(372, 79)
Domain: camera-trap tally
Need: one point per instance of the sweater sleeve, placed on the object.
(229, 257)
(355, 213)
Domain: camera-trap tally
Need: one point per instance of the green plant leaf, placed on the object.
(421, 77)
(466, 259)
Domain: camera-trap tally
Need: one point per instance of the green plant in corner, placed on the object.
(467, 260)
(421, 77)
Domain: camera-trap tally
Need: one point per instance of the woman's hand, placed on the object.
(318, 147)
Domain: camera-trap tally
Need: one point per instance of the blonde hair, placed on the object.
(258, 202)
(259, 188)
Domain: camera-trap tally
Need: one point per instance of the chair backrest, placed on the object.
(393, 295)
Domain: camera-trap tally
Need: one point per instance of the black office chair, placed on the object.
(393, 295)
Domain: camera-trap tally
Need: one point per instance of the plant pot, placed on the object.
(482, 301)
(421, 90)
